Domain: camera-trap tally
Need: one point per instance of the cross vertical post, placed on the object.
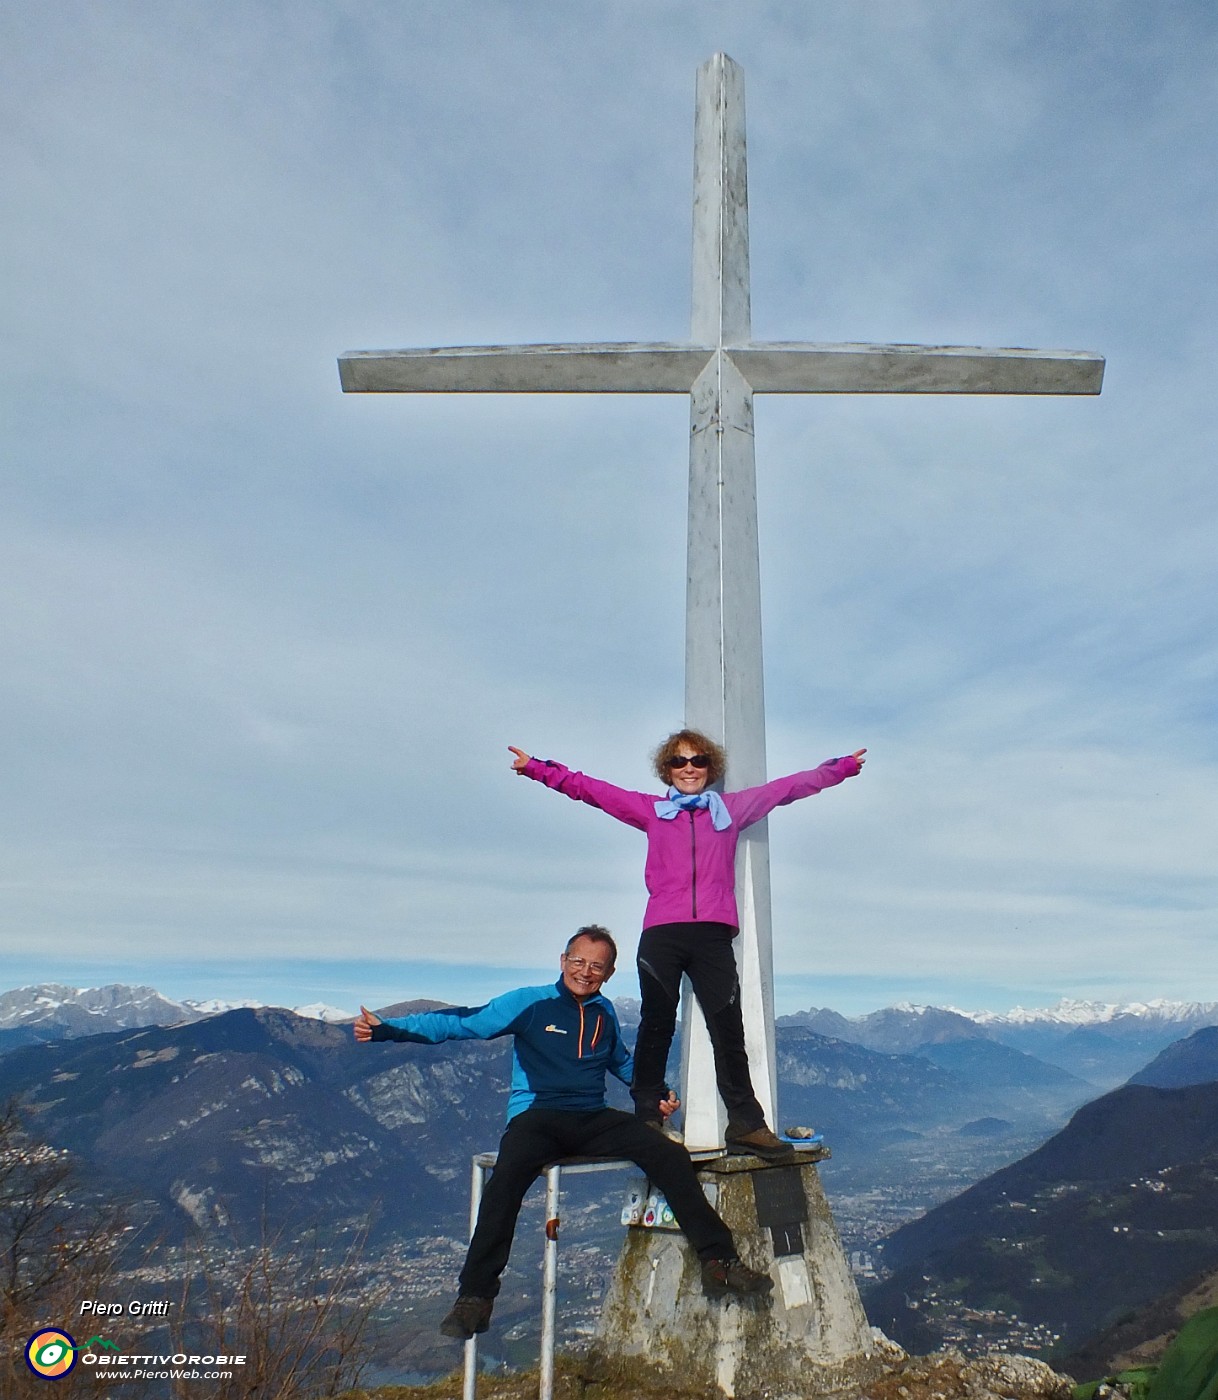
(724, 689)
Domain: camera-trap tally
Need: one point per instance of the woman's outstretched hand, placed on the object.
(857, 755)
(520, 760)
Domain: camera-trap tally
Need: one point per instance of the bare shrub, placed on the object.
(58, 1245)
(300, 1319)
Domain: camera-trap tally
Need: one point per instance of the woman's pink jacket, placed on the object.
(691, 867)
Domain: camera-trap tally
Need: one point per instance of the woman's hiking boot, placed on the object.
(723, 1276)
(761, 1142)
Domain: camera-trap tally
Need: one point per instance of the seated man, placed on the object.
(566, 1037)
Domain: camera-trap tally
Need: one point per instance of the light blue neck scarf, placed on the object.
(667, 808)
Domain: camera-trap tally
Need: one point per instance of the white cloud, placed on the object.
(263, 646)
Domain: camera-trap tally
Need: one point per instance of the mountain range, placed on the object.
(49, 1011)
(260, 1118)
(221, 1122)
(962, 1092)
(1100, 1042)
(1116, 1210)
(252, 1118)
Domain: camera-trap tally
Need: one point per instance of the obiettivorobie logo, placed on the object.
(51, 1353)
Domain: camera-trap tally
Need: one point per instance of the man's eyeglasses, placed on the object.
(695, 760)
(597, 969)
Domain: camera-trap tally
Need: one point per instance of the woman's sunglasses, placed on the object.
(698, 760)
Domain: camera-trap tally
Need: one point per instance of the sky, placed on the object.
(263, 646)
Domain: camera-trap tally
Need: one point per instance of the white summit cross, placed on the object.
(721, 367)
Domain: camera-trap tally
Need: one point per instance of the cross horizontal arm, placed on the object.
(779, 368)
(626, 368)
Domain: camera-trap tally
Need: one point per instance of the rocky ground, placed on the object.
(950, 1375)
(943, 1375)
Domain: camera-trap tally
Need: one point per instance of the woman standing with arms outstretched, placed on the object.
(691, 916)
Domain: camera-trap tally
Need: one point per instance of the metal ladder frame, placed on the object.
(484, 1162)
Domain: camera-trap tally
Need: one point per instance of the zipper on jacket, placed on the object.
(693, 860)
(580, 1042)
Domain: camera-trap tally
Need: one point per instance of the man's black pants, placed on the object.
(539, 1136)
(703, 951)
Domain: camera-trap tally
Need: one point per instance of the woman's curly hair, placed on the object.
(692, 739)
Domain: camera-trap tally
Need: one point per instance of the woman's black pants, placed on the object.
(703, 952)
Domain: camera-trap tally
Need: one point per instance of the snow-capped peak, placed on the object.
(319, 1011)
(1070, 1013)
(214, 1006)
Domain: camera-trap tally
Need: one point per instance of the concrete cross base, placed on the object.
(810, 1339)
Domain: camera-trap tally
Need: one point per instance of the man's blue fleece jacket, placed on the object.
(562, 1047)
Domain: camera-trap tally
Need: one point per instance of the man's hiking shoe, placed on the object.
(761, 1142)
(723, 1276)
(469, 1314)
